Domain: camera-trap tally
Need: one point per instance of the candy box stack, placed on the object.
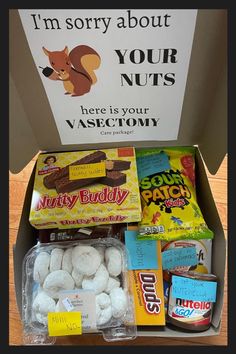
(85, 188)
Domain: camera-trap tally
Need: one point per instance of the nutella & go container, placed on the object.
(204, 252)
(192, 315)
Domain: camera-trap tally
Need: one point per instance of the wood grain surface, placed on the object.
(18, 184)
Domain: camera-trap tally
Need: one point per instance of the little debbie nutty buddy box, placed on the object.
(85, 188)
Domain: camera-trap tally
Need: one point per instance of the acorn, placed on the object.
(47, 71)
(50, 73)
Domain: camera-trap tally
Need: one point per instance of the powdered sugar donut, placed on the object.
(101, 251)
(113, 261)
(103, 300)
(111, 284)
(57, 281)
(119, 302)
(43, 304)
(99, 282)
(86, 259)
(56, 259)
(103, 309)
(67, 260)
(78, 277)
(41, 267)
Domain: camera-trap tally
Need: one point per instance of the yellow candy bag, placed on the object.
(169, 205)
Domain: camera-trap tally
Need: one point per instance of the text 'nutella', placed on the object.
(190, 314)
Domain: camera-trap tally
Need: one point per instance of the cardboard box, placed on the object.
(203, 123)
(85, 188)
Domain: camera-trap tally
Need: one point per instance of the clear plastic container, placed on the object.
(56, 274)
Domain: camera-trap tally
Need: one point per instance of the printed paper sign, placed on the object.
(82, 301)
(149, 164)
(142, 253)
(193, 289)
(179, 257)
(112, 75)
(64, 323)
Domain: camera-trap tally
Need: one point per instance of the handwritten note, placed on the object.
(89, 170)
(179, 257)
(142, 254)
(64, 323)
(149, 164)
(193, 289)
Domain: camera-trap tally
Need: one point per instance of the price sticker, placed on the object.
(67, 303)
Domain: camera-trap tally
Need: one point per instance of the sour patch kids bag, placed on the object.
(169, 205)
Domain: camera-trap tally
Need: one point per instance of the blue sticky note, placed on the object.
(193, 289)
(147, 165)
(142, 254)
(179, 257)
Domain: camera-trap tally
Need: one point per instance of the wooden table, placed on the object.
(18, 184)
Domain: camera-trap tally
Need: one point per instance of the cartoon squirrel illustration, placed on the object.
(75, 69)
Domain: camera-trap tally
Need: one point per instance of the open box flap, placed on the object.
(211, 56)
(203, 119)
(23, 145)
(206, 89)
(27, 238)
(214, 146)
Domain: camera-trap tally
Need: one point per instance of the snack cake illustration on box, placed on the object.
(85, 188)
